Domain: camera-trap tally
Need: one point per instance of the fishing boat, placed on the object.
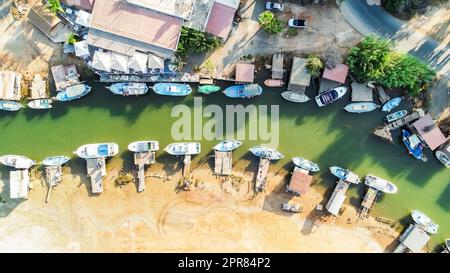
(396, 115)
(55, 160)
(380, 184)
(183, 148)
(97, 150)
(243, 91)
(305, 164)
(10, 105)
(273, 83)
(345, 174)
(227, 145)
(40, 104)
(361, 107)
(294, 96)
(17, 161)
(143, 146)
(268, 153)
(413, 144)
(391, 104)
(73, 92)
(330, 96)
(424, 222)
(172, 89)
(208, 89)
(128, 88)
(443, 158)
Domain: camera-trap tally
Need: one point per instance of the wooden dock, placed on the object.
(405, 120)
(337, 197)
(142, 159)
(10, 85)
(222, 163)
(187, 165)
(261, 177)
(19, 183)
(367, 203)
(53, 176)
(360, 92)
(96, 170)
(38, 89)
(382, 94)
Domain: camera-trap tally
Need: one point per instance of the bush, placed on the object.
(408, 7)
(270, 23)
(314, 65)
(195, 41)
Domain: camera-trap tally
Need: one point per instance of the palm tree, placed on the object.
(54, 6)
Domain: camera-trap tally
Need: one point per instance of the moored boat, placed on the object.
(73, 92)
(396, 115)
(295, 96)
(391, 104)
(17, 161)
(443, 158)
(413, 144)
(172, 89)
(10, 105)
(55, 160)
(345, 174)
(97, 150)
(447, 244)
(330, 96)
(143, 146)
(183, 148)
(264, 152)
(305, 164)
(380, 184)
(424, 221)
(208, 89)
(40, 104)
(243, 91)
(273, 83)
(227, 145)
(361, 107)
(128, 88)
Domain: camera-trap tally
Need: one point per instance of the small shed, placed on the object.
(333, 77)
(414, 238)
(429, 132)
(48, 23)
(277, 66)
(337, 197)
(38, 88)
(64, 76)
(360, 92)
(245, 73)
(300, 181)
(300, 77)
(19, 181)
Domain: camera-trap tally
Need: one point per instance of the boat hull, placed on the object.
(415, 151)
(40, 104)
(396, 116)
(273, 83)
(306, 164)
(73, 92)
(97, 150)
(172, 89)
(443, 158)
(424, 222)
(227, 145)
(10, 106)
(55, 160)
(128, 89)
(345, 174)
(391, 104)
(380, 184)
(17, 161)
(243, 91)
(361, 107)
(295, 97)
(208, 89)
(183, 148)
(266, 153)
(143, 146)
(330, 96)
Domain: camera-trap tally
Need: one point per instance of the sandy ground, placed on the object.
(214, 216)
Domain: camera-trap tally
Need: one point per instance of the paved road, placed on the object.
(372, 19)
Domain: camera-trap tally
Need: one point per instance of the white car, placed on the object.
(297, 23)
(274, 6)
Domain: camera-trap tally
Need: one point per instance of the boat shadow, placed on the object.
(313, 221)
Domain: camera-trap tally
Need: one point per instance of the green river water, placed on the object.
(328, 136)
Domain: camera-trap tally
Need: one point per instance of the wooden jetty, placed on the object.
(142, 159)
(412, 240)
(53, 176)
(261, 177)
(277, 66)
(10, 86)
(222, 163)
(367, 203)
(96, 170)
(38, 89)
(19, 183)
(337, 197)
(382, 96)
(187, 165)
(360, 92)
(405, 120)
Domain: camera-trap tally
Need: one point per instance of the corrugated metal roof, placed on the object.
(245, 73)
(300, 181)
(337, 74)
(429, 131)
(220, 20)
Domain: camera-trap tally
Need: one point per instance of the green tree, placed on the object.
(270, 23)
(71, 39)
(314, 65)
(194, 41)
(408, 7)
(54, 6)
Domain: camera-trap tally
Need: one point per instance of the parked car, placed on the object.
(297, 23)
(274, 6)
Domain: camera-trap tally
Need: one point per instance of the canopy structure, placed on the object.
(138, 62)
(102, 61)
(83, 18)
(119, 62)
(81, 49)
(155, 61)
(245, 73)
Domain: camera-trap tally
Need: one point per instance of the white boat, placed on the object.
(10, 105)
(227, 145)
(264, 152)
(424, 222)
(73, 92)
(183, 148)
(40, 104)
(305, 164)
(345, 174)
(295, 96)
(361, 107)
(330, 96)
(97, 150)
(443, 158)
(128, 88)
(17, 161)
(380, 184)
(396, 115)
(143, 146)
(55, 160)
